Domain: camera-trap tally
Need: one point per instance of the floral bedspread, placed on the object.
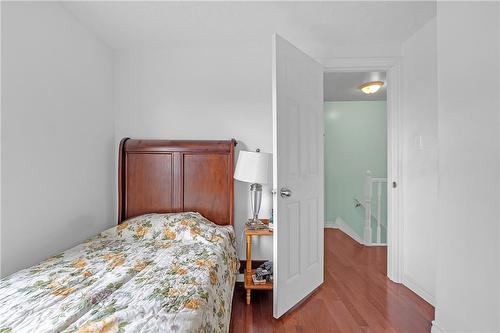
(152, 273)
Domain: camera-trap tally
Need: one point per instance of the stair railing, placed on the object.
(370, 183)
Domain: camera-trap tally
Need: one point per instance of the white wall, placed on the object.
(420, 163)
(468, 270)
(221, 92)
(57, 134)
(218, 93)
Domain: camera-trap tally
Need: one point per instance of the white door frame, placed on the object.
(390, 65)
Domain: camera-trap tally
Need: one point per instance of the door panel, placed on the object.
(312, 215)
(292, 217)
(298, 166)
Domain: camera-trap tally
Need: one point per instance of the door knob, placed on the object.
(285, 192)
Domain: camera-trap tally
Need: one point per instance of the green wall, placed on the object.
(355, 141)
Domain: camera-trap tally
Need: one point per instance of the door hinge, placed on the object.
(394, 185)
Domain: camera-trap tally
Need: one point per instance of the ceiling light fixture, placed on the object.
(371, 87)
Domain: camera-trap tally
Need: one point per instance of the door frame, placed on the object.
(395, 223)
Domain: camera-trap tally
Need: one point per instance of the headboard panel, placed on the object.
(163, 176)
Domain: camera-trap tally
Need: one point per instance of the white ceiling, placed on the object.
(344, 86)
(183, 24)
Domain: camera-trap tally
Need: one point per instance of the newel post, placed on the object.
(367, 235)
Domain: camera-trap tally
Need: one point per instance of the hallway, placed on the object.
(356, 296)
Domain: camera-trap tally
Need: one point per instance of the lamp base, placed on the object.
(256, 198)
(256, 224)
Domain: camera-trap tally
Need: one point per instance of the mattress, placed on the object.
(155, 272)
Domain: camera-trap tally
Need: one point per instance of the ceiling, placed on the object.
(124, 24)
(344, 86)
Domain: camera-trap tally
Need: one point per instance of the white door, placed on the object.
(297, 175)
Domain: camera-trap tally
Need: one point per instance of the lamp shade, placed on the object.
(253, 167)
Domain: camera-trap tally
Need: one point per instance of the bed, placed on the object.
(168, 266)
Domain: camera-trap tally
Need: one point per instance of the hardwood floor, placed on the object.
(356, 296)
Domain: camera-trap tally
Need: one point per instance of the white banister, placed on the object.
(370, 182)
(367, 237)
(379, 203)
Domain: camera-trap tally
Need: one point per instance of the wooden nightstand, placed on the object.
(249, 285)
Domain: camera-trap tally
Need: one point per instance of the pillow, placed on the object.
(191, 226)
(141, 227)
(169, 227)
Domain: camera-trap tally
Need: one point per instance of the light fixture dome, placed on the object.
(371, 87)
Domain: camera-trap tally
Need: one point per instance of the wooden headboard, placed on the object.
(164, 176)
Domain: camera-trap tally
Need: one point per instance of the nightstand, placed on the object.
(249, 285)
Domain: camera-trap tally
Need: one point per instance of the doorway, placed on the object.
(391, 67)
(298, 184)
(355, 121)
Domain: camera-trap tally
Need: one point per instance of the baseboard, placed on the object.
(346, 229)
(376, 244)
(436, 329)
(410, 284)
(330, 224)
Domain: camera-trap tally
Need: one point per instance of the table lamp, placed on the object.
(254, 168)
